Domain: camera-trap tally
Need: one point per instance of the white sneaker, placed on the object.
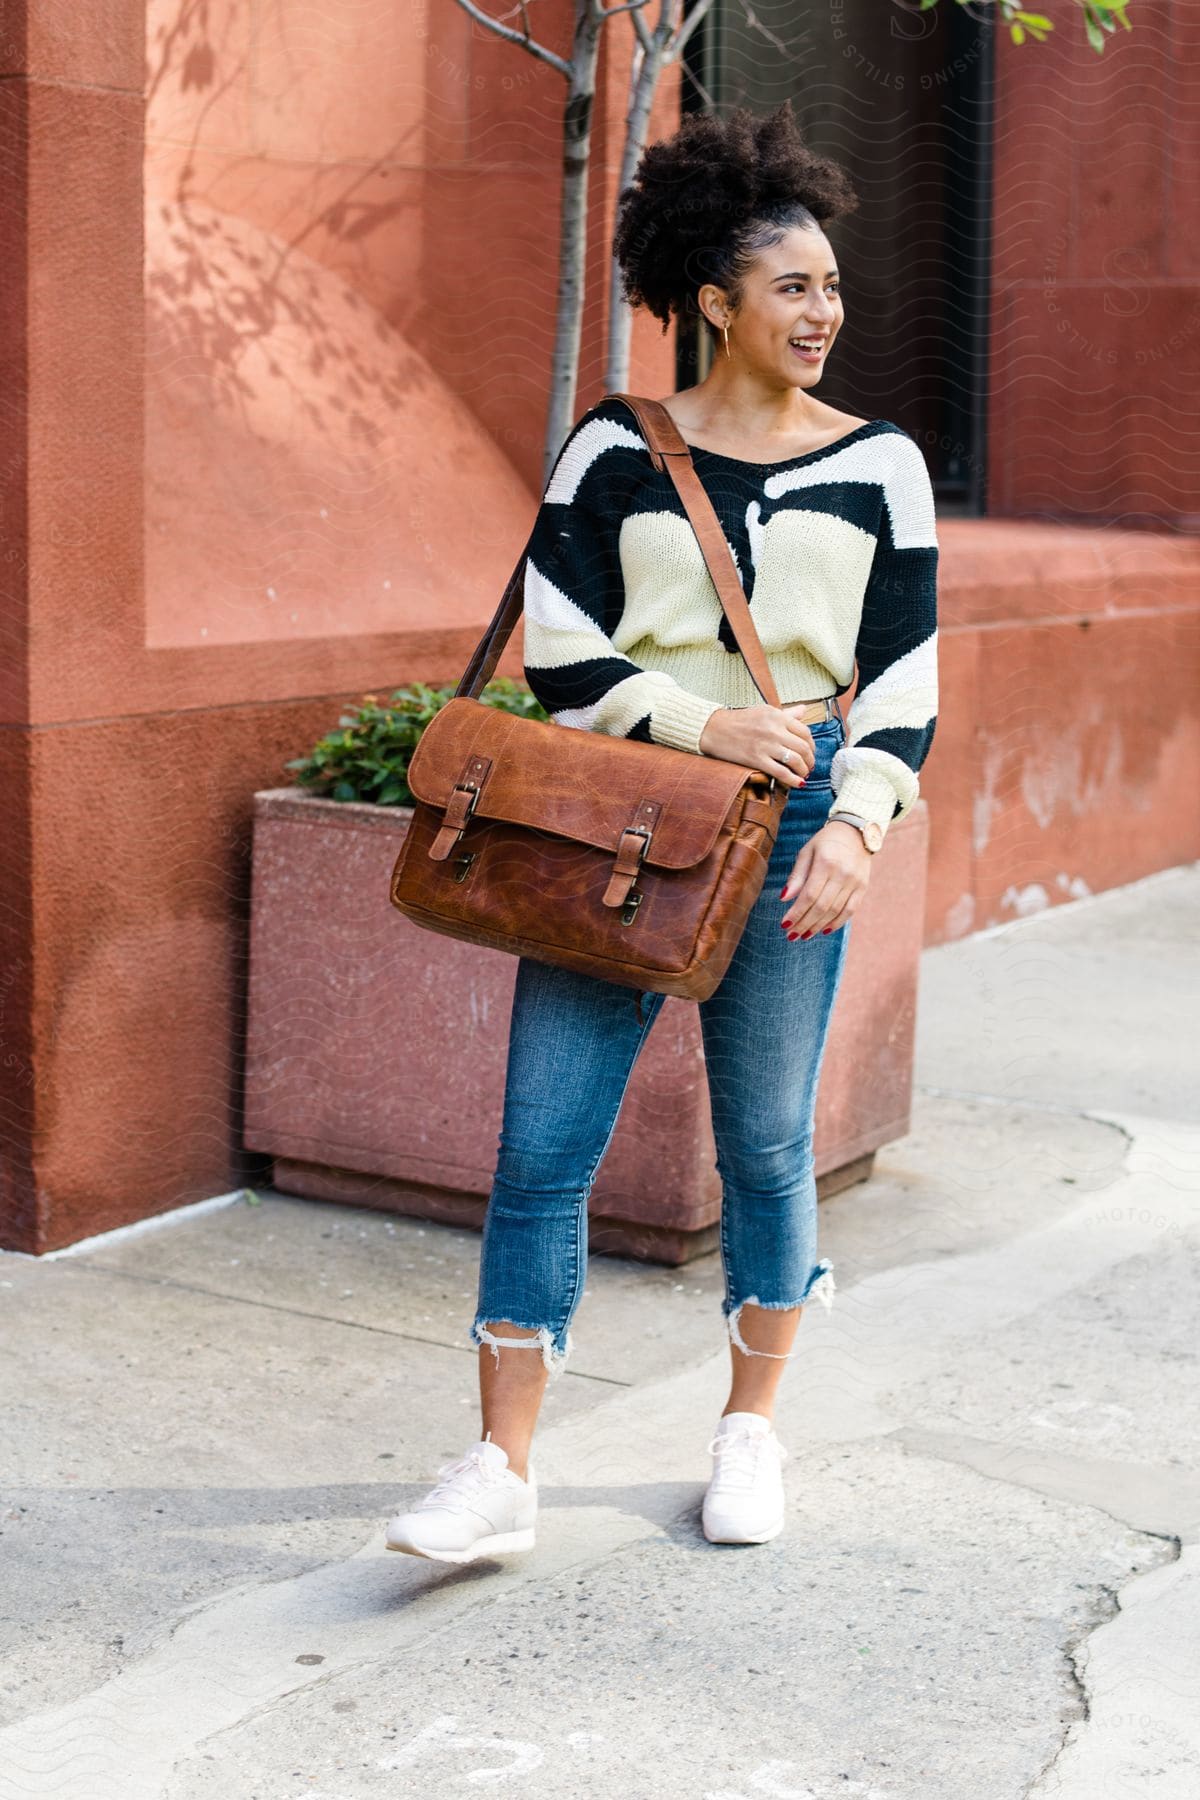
(744, 1503)
(478, 1508)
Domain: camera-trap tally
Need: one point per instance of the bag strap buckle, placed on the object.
(464, 798)
(634, 842)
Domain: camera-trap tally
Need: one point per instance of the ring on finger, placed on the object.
(785, 756)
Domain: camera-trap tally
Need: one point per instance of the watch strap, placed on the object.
(860, 824)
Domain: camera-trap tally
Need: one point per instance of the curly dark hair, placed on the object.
(705, 203)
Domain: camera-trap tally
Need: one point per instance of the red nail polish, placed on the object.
(792, 936)
(827, 931)
(805, 934)
(783, 893)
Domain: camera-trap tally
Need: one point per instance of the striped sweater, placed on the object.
(836, 550)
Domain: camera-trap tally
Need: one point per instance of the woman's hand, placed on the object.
(828, 881)
(754, 736)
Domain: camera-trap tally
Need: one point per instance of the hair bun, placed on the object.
(694, 196)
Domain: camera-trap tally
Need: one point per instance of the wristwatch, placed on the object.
(872, 831)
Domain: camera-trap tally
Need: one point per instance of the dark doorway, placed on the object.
(903, 100)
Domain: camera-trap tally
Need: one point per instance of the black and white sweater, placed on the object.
(837, 552)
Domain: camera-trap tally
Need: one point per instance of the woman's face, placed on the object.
(792, 293)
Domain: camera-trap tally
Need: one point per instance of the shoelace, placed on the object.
(738, 1452)
(466, 1475)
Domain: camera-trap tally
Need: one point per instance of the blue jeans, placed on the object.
(573, 1041)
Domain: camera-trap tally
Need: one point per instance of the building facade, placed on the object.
(278, 305)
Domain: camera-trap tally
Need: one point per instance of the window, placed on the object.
(903, 100)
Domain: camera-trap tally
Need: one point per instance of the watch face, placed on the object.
(873, 836)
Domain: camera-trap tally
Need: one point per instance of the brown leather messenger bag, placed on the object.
(633, 862)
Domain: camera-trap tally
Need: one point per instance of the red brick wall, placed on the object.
(277, 318)
(1095, 347)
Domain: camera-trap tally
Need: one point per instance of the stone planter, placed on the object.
(376, 1052)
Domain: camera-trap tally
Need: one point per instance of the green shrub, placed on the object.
(367, 757)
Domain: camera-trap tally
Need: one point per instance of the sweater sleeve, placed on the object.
(574, 595)
(891, 722)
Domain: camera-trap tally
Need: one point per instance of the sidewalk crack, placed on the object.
(303, 1312)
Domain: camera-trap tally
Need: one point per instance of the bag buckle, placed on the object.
(631, 854)
(629, 911)
(465, 787)
(455, 819)
(635, 896)
(461, 804)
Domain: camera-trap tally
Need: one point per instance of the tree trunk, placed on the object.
(654, 51)
(577, 147)
(647, 68)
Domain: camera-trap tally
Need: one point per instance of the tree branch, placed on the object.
(517, 37)
(689, 25)
(645, 37)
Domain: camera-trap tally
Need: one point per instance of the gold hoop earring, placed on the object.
(726, 328)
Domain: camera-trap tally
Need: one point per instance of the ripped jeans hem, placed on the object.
(554, 1355)
(821, 1286)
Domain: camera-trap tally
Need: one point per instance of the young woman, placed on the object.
(831, 522)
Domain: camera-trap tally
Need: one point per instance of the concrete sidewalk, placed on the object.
(988, 1588)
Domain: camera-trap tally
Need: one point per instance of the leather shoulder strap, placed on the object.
(667, 450)
(490, 648)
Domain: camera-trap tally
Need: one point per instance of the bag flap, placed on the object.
(589, 789)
